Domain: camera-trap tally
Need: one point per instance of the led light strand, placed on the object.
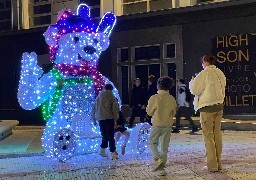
(68, 90)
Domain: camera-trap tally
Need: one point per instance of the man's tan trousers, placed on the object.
(211, 126)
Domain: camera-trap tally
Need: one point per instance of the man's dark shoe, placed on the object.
(195, 129)
(175, 131)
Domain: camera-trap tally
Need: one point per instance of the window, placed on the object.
(123, 55)
(132, 8)
(8, 4)
(204, 1)
(139, 6)
(47, 10)
(154, 69)
(130, 1)
(125, 83)
(199, 1)
(5, 15)
(90, 2)
(169, 50)
(42, 20)
(147, 53)
(2, 5)
(42, 9)
(38, 1)
(143, 71)
(95, 12)
(7, 25)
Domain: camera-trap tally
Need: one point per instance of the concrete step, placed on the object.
(226, 124)
(243, 116)
(6, 127)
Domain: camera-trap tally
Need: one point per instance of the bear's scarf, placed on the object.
(86, 75)
(83, 71)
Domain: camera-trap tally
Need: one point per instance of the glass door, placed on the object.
(143, 71)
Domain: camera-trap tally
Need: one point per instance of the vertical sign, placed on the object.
(236, 57)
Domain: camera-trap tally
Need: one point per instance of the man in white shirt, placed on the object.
(209, 90)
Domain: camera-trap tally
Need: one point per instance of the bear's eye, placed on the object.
(95, 41)
(76, 39)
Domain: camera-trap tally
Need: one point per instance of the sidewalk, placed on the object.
(186, 158)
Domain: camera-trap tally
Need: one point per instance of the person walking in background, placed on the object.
(184, 97)
(121, 130)
(209, 90)
(152, 90)
(105, 110)
(172, 90)
(138, 102)
(162, 107)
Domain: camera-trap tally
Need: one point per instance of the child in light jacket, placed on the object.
(162, 107)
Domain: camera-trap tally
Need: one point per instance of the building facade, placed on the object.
(172, 42)
(160, 42)
(26, 14)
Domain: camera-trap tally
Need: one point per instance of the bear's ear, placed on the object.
(50, 35)
(83, 10)
(64, 14)
(107, 23)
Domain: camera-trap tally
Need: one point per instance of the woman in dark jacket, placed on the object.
(138, 101)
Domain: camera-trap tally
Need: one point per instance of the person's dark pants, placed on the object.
(107, 133)
(136, 111)
(184, 111)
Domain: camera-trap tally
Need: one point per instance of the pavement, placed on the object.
(22, 157)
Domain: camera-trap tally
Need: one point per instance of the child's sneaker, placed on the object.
(158, 165)
(114, 155)
(161, 172)
(123, 150)
(103, 152)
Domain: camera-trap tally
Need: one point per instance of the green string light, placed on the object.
(49, 106)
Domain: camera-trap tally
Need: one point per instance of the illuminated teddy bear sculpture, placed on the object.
(67, 91)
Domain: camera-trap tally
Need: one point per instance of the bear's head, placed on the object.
(76, 40)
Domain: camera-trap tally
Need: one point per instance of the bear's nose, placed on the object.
(89, 49)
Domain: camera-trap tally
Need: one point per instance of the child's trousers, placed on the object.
(160, 136)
